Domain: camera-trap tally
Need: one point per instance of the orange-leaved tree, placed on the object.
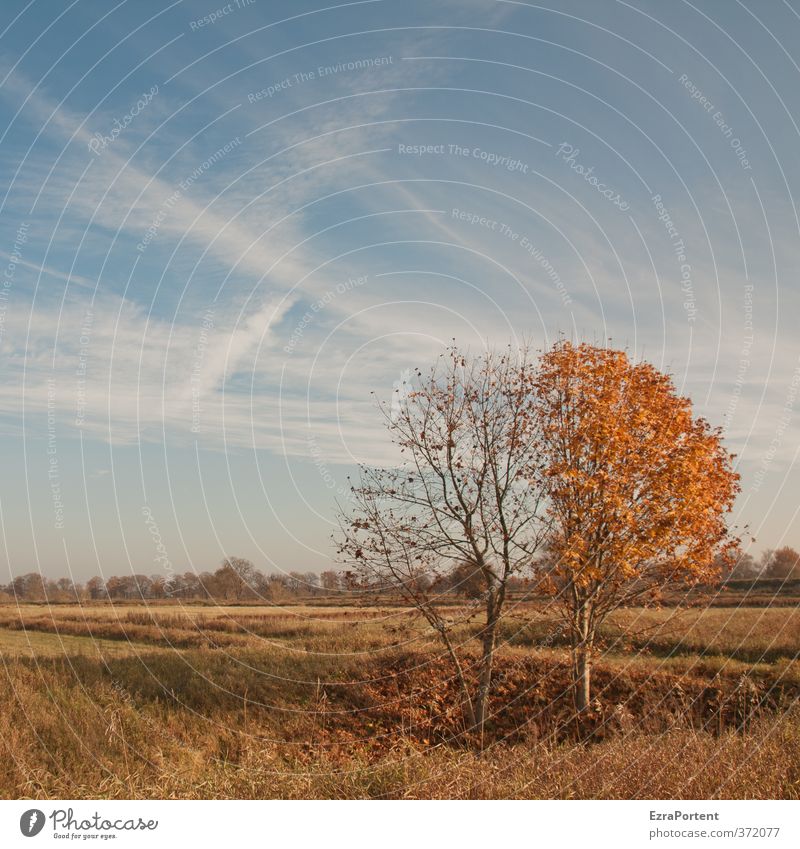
(637, 486)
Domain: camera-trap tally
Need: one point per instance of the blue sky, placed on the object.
(224, 225)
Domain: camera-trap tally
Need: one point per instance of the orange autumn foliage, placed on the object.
(638, 488)
(634, 481)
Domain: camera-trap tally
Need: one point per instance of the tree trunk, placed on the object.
(582, 647)
(489, 644)
(484, 682)
(467, 709)
(583, 678)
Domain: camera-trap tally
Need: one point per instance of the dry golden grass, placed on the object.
(750, 634)
(336, 702)
(44, 645)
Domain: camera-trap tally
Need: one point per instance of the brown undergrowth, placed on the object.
(203, 724)
(309, 703)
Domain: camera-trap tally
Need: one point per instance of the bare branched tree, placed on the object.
(460, 495)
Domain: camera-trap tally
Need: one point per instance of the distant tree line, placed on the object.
(776, 564)
(238, 580)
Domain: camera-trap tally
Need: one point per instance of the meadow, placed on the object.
(326, 700)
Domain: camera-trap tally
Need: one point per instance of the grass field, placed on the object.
(320, 701)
